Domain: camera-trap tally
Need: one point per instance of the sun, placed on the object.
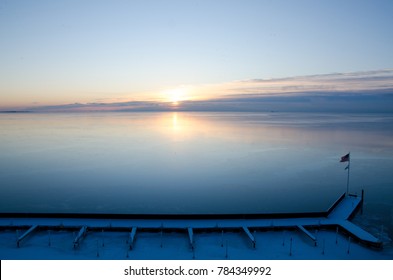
(176, 95)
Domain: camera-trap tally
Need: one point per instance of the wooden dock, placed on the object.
(337, 216)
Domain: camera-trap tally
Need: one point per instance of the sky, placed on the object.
(65, 52)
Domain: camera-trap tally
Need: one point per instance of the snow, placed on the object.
(355, 230)
(30, 230)
(270, 244)
(345, 208)
(279, 238)
(312, 237)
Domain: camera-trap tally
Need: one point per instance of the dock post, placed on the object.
(98, 253)
(222, 238)
(49, 243)
(381, 233)
(161, 236)
(226, 249)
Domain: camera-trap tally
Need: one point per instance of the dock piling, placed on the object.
(226, 249)
(49, 243)
(222, 238)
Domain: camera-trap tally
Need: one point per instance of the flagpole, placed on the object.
(348, 167)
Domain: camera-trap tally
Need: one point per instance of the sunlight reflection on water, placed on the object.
(189, 162)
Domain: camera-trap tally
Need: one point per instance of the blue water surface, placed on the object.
(187, 163)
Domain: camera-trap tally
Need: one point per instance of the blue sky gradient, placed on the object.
(60, 52)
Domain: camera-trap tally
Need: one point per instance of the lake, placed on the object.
(187, 163)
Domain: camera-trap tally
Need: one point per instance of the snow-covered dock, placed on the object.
(337, 218)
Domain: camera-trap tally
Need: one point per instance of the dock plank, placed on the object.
(359, 233)
(308, 234)
(337, 215)
(132, 237)
(80, 235)
(250, 236)
(191, 236)
(345, 208)
(24, 235)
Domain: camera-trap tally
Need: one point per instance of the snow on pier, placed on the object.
(308, 234)
(250, 236)
(81, 234)
(191, 237)
(337, 217)
(23, 236)
(132, 237)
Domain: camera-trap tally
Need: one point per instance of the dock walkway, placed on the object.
(337, 217)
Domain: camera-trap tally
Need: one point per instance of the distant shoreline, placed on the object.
(14, 112)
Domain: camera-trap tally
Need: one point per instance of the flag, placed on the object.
(345, 158)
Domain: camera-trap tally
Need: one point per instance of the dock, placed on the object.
(29, 231)
(338, 216)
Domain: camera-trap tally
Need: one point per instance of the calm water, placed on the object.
(193, 162)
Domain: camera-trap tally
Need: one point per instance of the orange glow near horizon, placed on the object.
(176, 95)
(173, 96)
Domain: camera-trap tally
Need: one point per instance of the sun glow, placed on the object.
(176, 95)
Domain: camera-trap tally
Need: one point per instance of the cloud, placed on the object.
(336, 82)
(370, 91)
